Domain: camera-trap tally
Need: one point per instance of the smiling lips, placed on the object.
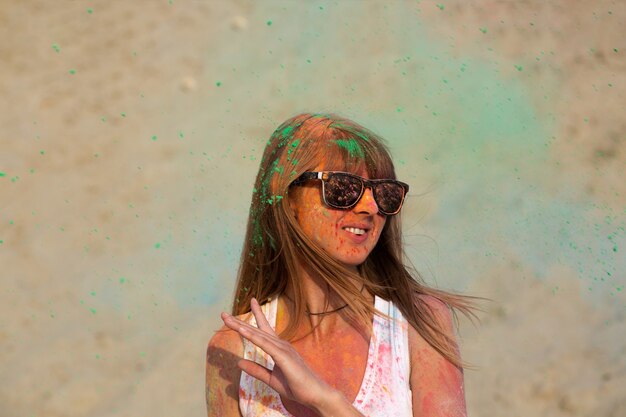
(358, 233)
(355, 230)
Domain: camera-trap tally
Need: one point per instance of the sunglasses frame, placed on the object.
(365, 183)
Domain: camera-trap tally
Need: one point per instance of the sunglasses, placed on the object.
(343, 190)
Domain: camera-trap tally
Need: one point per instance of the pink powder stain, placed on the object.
(384, 348)
(428, 404)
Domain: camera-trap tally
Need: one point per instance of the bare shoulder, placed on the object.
(222, 373)
(436, 383)
(441, 311)
(421, 352)
(226, 340)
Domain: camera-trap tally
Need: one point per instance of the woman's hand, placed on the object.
(291, 377)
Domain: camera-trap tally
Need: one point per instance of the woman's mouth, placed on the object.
(355, 230)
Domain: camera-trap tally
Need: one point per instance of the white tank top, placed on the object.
(385, 390)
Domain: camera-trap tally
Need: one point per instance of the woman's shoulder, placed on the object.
(441, 313)
(222, 373)
(228, 340)
(440, 309)
(432, 375)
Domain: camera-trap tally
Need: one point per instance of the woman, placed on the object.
(327, 318)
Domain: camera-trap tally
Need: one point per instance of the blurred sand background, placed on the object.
(131, 131)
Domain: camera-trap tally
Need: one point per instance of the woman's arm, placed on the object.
(290, 377)
(222, 374)
(436, 384)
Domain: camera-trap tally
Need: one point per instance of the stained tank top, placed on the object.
(384, 391)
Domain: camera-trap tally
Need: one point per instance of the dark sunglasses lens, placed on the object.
(342, 190)
(389, 196)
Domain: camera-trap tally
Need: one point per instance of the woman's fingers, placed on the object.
(254, 369)
(290, 376)
(265, 375)
(270, 343)
(261, 320)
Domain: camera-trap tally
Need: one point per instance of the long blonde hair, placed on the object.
(274, 242)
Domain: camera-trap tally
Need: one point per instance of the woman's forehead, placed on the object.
(364, 161)
(358, 168)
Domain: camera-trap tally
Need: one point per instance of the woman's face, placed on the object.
(346, 235)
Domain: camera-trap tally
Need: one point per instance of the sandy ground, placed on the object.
(130, 133)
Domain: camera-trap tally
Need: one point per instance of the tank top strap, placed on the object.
(398, 334)
(255, 397)
(386, 385)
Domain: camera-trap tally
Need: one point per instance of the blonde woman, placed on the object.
(327, 320)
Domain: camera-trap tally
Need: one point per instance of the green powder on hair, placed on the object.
(287, 131)
(352, 146)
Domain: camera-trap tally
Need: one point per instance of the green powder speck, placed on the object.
(352, 146)
(157, 245)
(519, 67)
(93, 310)
(181, 135)
(122, 280)
(219, 83)
(2, 174)
(287, 131)
(123, 114)
(483, 30)
(56, 47)
(154, 137)
(42, 152)
(72, 71)
(441, 6)
(269, 23)
(90, 10)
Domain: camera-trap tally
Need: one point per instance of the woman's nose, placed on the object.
(366, 204)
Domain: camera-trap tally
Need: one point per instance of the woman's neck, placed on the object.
(323, 306)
